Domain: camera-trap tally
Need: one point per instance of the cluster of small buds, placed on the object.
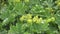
(52, 19)
(28, 18)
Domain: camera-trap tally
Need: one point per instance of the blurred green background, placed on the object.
(29, 16)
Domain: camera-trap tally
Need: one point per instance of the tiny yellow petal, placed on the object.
(35, 19)
(22, 18)
(29, 21)
(39, 20)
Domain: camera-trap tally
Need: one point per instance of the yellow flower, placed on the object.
(39, 20)
(50, 19)
(58, 4)
(35, 18)
(22, 18)
(29, 20)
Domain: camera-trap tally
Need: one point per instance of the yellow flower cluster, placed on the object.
(58, 2)
(50, 19)
(28, 18)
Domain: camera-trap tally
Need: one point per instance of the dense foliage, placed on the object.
(29, 16)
